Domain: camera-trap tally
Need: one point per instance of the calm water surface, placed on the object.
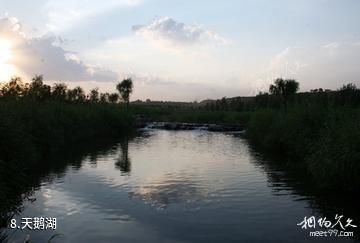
(175, 186)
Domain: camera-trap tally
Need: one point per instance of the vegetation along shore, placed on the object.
(316, 132)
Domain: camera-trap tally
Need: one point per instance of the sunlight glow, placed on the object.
(5, 56)
(5, 51)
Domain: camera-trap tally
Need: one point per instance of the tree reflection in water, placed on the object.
(124, 162)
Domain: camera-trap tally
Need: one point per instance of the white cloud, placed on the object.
(40, 56)
(326, 66)
(332, 45)
(65, 14)
(167, 31)
(158, 88)
(279, 58)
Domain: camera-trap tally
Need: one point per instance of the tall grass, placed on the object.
(323, 141)
(30, 129)
(36, 119)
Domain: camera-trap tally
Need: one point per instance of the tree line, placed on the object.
(284, 92)
(39, 91)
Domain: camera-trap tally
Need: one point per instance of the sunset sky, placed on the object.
(182, 50)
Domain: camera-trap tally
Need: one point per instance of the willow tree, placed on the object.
(125, 88)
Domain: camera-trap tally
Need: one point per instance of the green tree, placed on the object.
(125, 88)
(59, 91)
(38, 90)
(223, 104)
(104, 97)
(94, 95)
(348, 94)
(76, 94)
(348, 88)
(285, 88)
(113, 98)
(14, 89)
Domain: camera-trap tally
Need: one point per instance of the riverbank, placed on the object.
(316, 133)
(322, 142)
(31, 130)
(33, 134)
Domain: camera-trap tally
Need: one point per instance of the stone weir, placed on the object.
(195, 126)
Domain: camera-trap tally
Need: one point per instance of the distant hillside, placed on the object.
(193, 104)
(244, 99)
(163, 103)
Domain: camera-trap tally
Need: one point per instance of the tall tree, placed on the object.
(285, 88)
(14, 89)
(94, 95)
(125, 88)
(76, 94)
(59, 91)
(104, 97)
(38, 90)
(113, 97)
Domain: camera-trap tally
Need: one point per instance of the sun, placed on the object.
(5, 56)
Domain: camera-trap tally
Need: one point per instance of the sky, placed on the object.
(182, 50)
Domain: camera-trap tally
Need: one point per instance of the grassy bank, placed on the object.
(323, 142)
(317, 132)
(37, 120)
(31, 130)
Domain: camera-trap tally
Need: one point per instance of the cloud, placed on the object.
(280, 58)
(326, 66)
(9, 25)
(68, 13)
(41, 56)
(332, 45)
(166, 88)
(169, 32)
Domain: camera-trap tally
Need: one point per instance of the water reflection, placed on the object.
(174, 187)
(284, 180)
(170, 189)
(124, 162)
(17, 190)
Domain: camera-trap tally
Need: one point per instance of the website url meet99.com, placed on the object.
(336, 228)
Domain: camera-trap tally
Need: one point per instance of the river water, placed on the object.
(177, 186)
